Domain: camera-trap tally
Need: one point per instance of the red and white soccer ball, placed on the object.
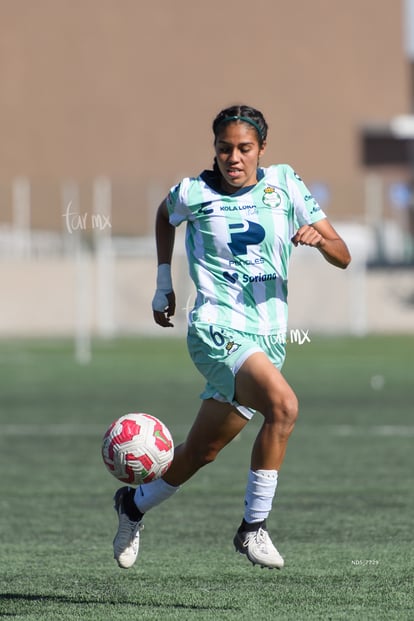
(137, 448)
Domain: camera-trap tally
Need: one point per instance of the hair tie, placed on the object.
(245, 119)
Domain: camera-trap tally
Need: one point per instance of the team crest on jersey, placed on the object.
(231, 347)
(271, 197)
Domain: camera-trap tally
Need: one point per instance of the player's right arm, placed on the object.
(163, 303)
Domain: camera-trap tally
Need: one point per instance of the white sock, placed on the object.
(152, 494)
(260, 491)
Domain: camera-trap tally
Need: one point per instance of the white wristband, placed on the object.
(164, 281)
(164, 287)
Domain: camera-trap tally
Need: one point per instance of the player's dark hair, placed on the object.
(244, 114)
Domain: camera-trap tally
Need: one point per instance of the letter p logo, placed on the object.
(254, 234)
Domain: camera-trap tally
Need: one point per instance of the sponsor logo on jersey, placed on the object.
(251, 209)
(259, 277)
(271, 197)
(245, 234)
(315, 207)
(231, 277)
(241, 262)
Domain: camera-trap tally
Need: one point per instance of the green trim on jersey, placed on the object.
(238, 247)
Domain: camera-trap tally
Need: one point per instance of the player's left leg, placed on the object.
(215, 426)
(127, 537)
(261, 386)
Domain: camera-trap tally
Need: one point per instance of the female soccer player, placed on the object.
(242, 221)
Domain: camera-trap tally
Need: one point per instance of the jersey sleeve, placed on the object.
(305, 206)
(177, 204)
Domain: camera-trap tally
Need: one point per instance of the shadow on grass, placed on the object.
(64, 599)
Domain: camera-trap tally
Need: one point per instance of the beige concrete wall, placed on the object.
(57, 297)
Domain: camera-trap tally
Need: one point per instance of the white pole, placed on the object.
(71, 219)
(74, 225)
(374, 211)
(21, 217)
(358, 292)
(83, 348)
(105, 268)
(408, 25)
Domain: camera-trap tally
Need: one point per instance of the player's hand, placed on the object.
(163, 306)
(308, 236)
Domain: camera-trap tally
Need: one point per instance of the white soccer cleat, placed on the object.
(126, 542)
(258, 548)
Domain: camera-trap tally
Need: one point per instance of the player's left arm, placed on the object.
(322, 235)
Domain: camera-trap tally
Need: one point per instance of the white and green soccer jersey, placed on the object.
(239, 245)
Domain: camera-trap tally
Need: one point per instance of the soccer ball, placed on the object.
(137, 448)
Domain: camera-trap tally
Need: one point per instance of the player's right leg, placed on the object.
(216, 425)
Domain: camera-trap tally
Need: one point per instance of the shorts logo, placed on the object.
(231, 347)
(219, 340)
(271, 197)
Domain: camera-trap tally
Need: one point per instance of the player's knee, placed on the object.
(284, 413)
(289, 411)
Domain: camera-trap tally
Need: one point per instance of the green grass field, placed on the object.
(343, 516)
